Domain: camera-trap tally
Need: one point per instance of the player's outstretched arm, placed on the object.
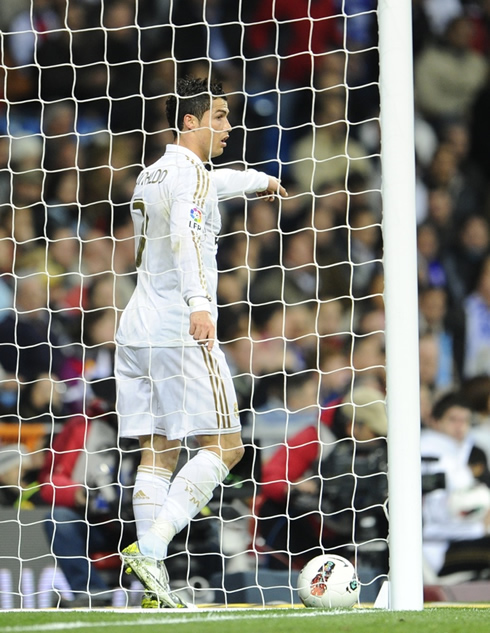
(274, 188)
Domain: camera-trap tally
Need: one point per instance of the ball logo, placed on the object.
(328, 581)
(319, 582)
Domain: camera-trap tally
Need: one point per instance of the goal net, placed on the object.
(82, 110)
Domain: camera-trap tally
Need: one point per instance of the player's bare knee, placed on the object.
(232, 456)
(157, 451)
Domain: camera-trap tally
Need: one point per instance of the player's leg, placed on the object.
(189, 493)
(204, 391)
(192, 489)
(195, 396)
(228, 447)
(159, 457)
(136, 410)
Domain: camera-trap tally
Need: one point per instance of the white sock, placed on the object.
(190, 491)
(151, 487)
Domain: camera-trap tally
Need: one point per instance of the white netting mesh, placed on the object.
(82, 110)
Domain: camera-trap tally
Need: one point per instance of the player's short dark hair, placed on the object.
(194, 96)
(446, 402)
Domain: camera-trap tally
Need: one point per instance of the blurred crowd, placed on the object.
(82, 94)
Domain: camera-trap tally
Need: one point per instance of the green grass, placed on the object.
(431, 620)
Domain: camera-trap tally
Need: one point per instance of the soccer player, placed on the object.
(173, 380)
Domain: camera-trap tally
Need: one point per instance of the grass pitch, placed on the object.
(431, 620)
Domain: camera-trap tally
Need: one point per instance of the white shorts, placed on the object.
(174, 391)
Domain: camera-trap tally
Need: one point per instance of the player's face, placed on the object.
(215, 129)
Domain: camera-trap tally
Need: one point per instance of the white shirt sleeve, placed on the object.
(232, 182)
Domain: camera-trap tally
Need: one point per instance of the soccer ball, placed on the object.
(328, 582)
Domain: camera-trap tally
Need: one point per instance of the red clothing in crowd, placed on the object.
(305, 28)
(290, 462)
(57, 485)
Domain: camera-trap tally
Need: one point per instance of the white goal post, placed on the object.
(82, 111)
(402, 360)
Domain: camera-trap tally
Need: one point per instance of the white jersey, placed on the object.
(442, 454)
(177, 222)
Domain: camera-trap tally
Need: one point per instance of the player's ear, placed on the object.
(190, 122)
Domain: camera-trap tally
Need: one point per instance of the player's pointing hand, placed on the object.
(274, 189)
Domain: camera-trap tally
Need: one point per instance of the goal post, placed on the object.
(82, 111)
(400, 265)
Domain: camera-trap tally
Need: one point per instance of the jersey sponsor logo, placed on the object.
(195, 221)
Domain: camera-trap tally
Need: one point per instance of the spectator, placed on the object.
(462, 262)
(327, 152)
(17, 486)
(332, 326)
(479, 13)
(441, 215)
(368, 361)
(296, 30)
(430, 267)
(476, 392)
(276, 19)
(468, 188)
(125, 104)
(328, 220)
(91, 375)
(63, 267)
(336, 376)
(477, 317)
(422, 31)
(302, 274)
(426, 404)
(62, 207)
(36, 348)
(9, 396)
(84, 189)
(31, 337)
(435, 318)
(4, 171)
(290, 404)
(449, 74)
(63, 150)
(285, 338)
(6, 279)
(455, 505)
(441, 12)
(107, 290)
(83, 483)
(237, 345)
(429, 363)
(365, 249)
(29, 28)
(480, 129)
(308, 490)
(28, 218)
(295, 278)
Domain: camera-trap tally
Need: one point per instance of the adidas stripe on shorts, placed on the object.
(174, 391)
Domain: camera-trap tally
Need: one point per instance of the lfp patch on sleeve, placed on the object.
(195, 221)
